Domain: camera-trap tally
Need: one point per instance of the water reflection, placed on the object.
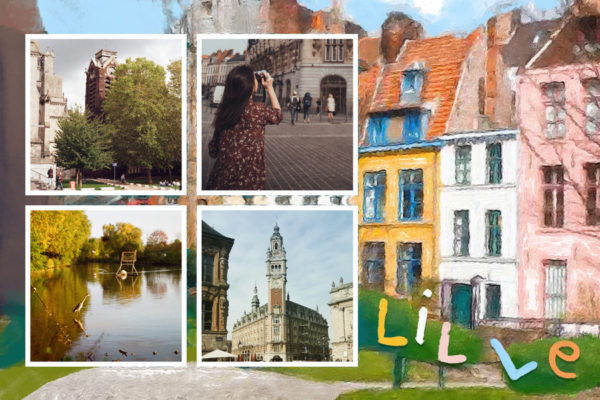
(126, 319)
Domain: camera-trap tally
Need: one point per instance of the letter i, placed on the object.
(420, 338)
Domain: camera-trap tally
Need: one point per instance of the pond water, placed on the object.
(138, 315)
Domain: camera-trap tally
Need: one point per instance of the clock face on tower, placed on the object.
(111, 70)
(277, 283)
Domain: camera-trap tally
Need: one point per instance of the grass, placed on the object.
(433, 394)
(543, 380)
(372, 367)
(18, 381)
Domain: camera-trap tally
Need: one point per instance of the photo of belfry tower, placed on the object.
(287, 316)
(279, 330)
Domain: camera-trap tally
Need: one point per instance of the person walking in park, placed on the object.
(330, 107)
(50, 178)
(238, 141)
(59, 181)
(294, 106)
(307, 103)
(123, 178)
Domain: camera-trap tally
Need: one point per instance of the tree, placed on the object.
(121, 237)
(139, 110)
(82, 143)
(57, 237)
(157, 238)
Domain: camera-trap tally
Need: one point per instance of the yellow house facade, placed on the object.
(398, 214)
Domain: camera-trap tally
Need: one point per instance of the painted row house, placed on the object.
(559, 171)
(479, 169)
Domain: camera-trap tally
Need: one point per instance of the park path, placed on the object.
(190, 383)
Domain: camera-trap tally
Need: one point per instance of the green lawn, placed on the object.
(18, 381)
(433, 394)
(372, 367)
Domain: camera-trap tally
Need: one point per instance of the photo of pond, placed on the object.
(137, 315)
(108, 293)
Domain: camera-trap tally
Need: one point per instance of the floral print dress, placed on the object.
(240, 151)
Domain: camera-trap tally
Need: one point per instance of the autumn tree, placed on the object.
(139, 110)
(57, 237)
(121, 237)
(82, 143)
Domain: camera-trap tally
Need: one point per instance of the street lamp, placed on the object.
(114, 172)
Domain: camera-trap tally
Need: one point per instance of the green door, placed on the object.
(461, 304)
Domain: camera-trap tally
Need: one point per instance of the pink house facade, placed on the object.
(558, 107)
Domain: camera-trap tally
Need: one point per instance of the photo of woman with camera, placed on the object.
(238, 141)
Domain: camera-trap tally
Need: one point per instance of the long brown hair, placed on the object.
(239, 86)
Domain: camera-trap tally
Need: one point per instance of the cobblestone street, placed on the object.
(315, 156)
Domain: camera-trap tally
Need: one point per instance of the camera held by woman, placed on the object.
(238, 141)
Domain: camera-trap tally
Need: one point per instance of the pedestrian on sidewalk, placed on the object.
(307, 103)
(50, 178)
(294, 106)
(318, 110)
(238, 141)
(330, 107)
(123, 178)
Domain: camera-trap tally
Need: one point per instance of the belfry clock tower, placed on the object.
(276, 273)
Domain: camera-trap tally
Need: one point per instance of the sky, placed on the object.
(318, 248)
(72, 58)
(209, 46)
(437, 16)
(148, 221)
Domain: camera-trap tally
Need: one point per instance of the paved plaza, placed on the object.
(315, 156)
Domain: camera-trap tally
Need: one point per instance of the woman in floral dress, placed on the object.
(238, 142)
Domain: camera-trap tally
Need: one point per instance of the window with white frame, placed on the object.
(592, 106)
(556, 289)
(556, 114)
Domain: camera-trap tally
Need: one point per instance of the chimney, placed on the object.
(395, 30)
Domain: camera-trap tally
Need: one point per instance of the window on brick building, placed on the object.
(461, 233)
(554, 101)
(593, 194)
(556, 288)
(494, 162)
(408, 273)
(373, 265)
(592, 106)
(493, 229)
(410, 194)
(554, 194)
(463, 165)
(208, 267)
(374, 196)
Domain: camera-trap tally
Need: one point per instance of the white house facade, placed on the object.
(478, 226)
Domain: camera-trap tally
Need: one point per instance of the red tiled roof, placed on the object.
(442, 58)
(368, 50)
(366, 88)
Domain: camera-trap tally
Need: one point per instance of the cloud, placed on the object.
(426, 7)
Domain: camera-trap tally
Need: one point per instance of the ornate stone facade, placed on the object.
(317, 66)
(215, 306)
(342, 310)
(280, 330)
(47, 105)
(99, 76)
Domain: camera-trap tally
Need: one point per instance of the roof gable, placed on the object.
(442, 59)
